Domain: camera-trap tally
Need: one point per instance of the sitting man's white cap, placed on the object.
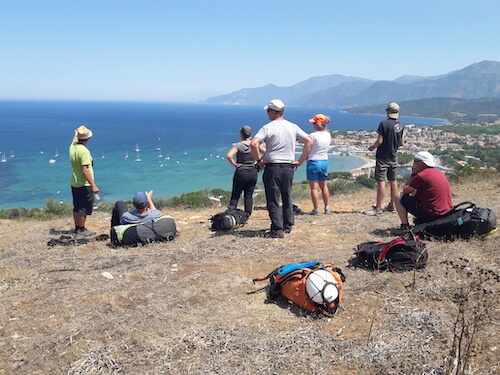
(426, 158)
(276, 105)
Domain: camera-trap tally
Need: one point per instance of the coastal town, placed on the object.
(417, 138)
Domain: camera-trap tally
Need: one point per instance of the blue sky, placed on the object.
(188, 50)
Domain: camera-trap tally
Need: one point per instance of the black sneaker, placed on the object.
(389, 208)
(403, 230)
(84, 232)
(288, 230)
(274, 234)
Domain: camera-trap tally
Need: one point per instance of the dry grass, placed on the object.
(183, 308)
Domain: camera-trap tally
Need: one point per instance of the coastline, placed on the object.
(368, 163)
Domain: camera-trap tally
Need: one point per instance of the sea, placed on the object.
(170, 148)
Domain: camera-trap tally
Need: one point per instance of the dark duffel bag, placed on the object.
(466, 220)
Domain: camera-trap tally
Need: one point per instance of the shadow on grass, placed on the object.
(285, 304)
(244, 233)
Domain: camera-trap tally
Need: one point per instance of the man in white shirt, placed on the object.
(280, 136)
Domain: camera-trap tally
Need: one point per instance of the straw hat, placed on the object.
(82, 133)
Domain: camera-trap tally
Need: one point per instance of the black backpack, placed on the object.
(158, 230)
(232, 218)
(397, 255)
(464, 221)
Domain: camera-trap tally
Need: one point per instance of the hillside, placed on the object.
(479, 80)
(453, 109)
(182, 307)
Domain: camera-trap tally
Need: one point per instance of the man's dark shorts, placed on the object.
(83, 200)
(414, 207)
(385, 170)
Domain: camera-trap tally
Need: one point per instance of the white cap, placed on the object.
(426, 157)
(276, 105)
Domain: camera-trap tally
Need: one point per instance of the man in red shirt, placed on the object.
(426, 195)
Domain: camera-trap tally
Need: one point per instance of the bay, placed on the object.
(182, 146)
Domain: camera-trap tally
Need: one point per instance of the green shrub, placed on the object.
(404, 158)
(56, 208)
(224, 195)
(195, 199)
(301, 191)
(161, 202)
(343, 175)
(367, 182)
(38, 213)
(338, 187)
(14, 213)
(466, 173)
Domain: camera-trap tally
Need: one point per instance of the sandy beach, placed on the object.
(369, 163)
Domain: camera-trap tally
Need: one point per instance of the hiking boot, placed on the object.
(403, 230)
(274, 234)
(374, 212)
(314, 212)
(327, 210)
(84, 232)
(389, 208)
(287, 230)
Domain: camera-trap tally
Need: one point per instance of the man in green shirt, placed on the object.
(83, 187)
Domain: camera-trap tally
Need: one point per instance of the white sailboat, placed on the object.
(52, 161)
(126, 156)
(56, 154)
(12, 155)
(137, 149)
(4, 159)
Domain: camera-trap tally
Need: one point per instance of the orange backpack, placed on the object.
(289, 281)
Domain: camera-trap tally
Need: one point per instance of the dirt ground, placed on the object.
(183, 307)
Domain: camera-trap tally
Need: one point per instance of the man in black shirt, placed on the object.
(390, 138)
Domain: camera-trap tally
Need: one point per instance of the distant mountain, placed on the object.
(453, 109)
(479, 80)
(259, 95)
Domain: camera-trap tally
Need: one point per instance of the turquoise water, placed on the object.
(182, 147)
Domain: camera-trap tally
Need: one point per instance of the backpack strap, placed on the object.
(335, 269)
(287, 268)
(466, 203)
(283, 270)
(386, 248)
(268, 276)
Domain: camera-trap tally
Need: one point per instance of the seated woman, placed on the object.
(145, 210)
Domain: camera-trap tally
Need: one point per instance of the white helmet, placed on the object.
(321, 287)
(228, 222)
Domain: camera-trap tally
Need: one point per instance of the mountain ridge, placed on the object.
(478, 80)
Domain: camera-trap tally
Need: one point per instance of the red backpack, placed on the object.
(397, 255)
